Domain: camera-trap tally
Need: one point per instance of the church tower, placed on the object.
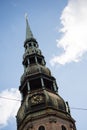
(42, 108)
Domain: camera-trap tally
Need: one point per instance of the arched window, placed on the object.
(63, 127)
(41, 128)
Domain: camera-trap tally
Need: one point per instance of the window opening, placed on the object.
(63, 127)
(39, 60)
(30, 44)
(25, 90)
(48, 84)
(41, 128)
(34, 45)
(35, 84)
(26, 63)
(32, 60)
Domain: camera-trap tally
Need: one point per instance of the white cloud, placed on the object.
(8, 108)
(74, 39)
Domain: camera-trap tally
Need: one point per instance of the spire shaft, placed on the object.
(29, 33)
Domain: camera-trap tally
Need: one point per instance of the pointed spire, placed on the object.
(29, 33)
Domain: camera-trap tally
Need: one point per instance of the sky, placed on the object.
(60, 27)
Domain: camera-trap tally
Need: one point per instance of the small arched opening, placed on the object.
(41, 128)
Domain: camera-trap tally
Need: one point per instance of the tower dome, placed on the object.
(35, 69)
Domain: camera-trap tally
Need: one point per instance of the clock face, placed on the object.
(36, 99)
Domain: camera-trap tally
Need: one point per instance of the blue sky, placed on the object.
(60, 29)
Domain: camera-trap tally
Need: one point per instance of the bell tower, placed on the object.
(42, 108)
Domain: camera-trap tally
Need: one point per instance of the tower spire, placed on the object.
(29, 33)
(42, 108)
